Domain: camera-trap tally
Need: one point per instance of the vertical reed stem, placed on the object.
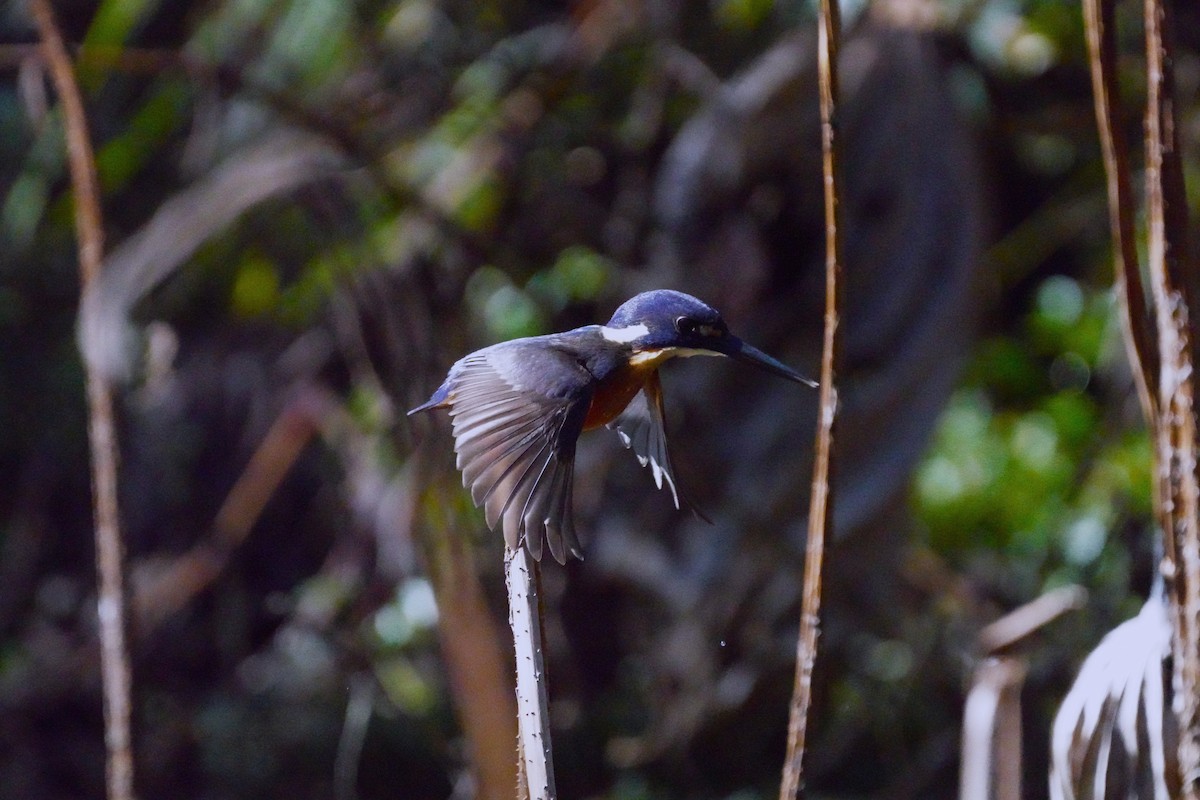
(1175, 292)
(533, 701)
(111, 605)
(820, 515)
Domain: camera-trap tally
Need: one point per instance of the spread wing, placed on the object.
(518, 411)
(642, 428)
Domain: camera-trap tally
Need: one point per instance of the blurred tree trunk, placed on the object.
(478, 667)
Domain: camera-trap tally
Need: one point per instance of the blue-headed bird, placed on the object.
(518, 408)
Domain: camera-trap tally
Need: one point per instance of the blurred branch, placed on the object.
(687, 69)
(1017, 625)
(1064, 217)
(277, 163)
(991, 737)
(820, 515)
(155, 61)
(347, 135)
(111, 607)
(1173, 284)
(474, 658)
(354, 733)
(161, 594)
(991, 733)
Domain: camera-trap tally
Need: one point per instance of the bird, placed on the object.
(519, 407)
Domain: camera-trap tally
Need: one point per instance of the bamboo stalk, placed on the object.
(820, 515)
(111, 606)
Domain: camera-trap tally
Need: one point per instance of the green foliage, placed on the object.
(741, 15)
(125, 155)
(256, 286)
(1026, 463)
(402, 630)
(115, 20)
(578, 275)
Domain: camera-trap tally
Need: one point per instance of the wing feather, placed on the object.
(642, 428)
(497, 480)
(491, 441)
(567, 515)
(540, 511)
(518, 487)
(529, 518)
(517, 412)
(472, 444)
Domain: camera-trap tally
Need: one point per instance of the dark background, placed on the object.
(446, 175)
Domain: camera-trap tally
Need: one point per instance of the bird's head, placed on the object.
(665, 323)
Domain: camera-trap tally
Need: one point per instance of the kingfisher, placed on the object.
(518, 409)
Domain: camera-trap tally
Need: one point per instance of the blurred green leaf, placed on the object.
(480, 204)
(256, 286)
(579, 274)
(405, 686)
(1007, 368)
(115, 20)
(741, 15)
(507, 311)
(412, 612)
(123, 156)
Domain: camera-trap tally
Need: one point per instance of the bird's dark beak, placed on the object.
(736, 348)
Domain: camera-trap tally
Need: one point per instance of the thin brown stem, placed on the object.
(820, 515)
(1131, 294)
(1165, 154)
(1163, 351)
(1175, 294)
(112, 607)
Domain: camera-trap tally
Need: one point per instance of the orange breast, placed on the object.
(614, 394)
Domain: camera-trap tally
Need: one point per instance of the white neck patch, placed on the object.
(624, 335)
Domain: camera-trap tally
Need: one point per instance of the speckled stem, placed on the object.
(533, 702)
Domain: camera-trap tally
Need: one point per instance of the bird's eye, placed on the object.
(685, 325)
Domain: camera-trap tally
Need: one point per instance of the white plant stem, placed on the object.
(533, 703)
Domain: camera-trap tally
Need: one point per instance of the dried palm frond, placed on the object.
(1115, 736)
